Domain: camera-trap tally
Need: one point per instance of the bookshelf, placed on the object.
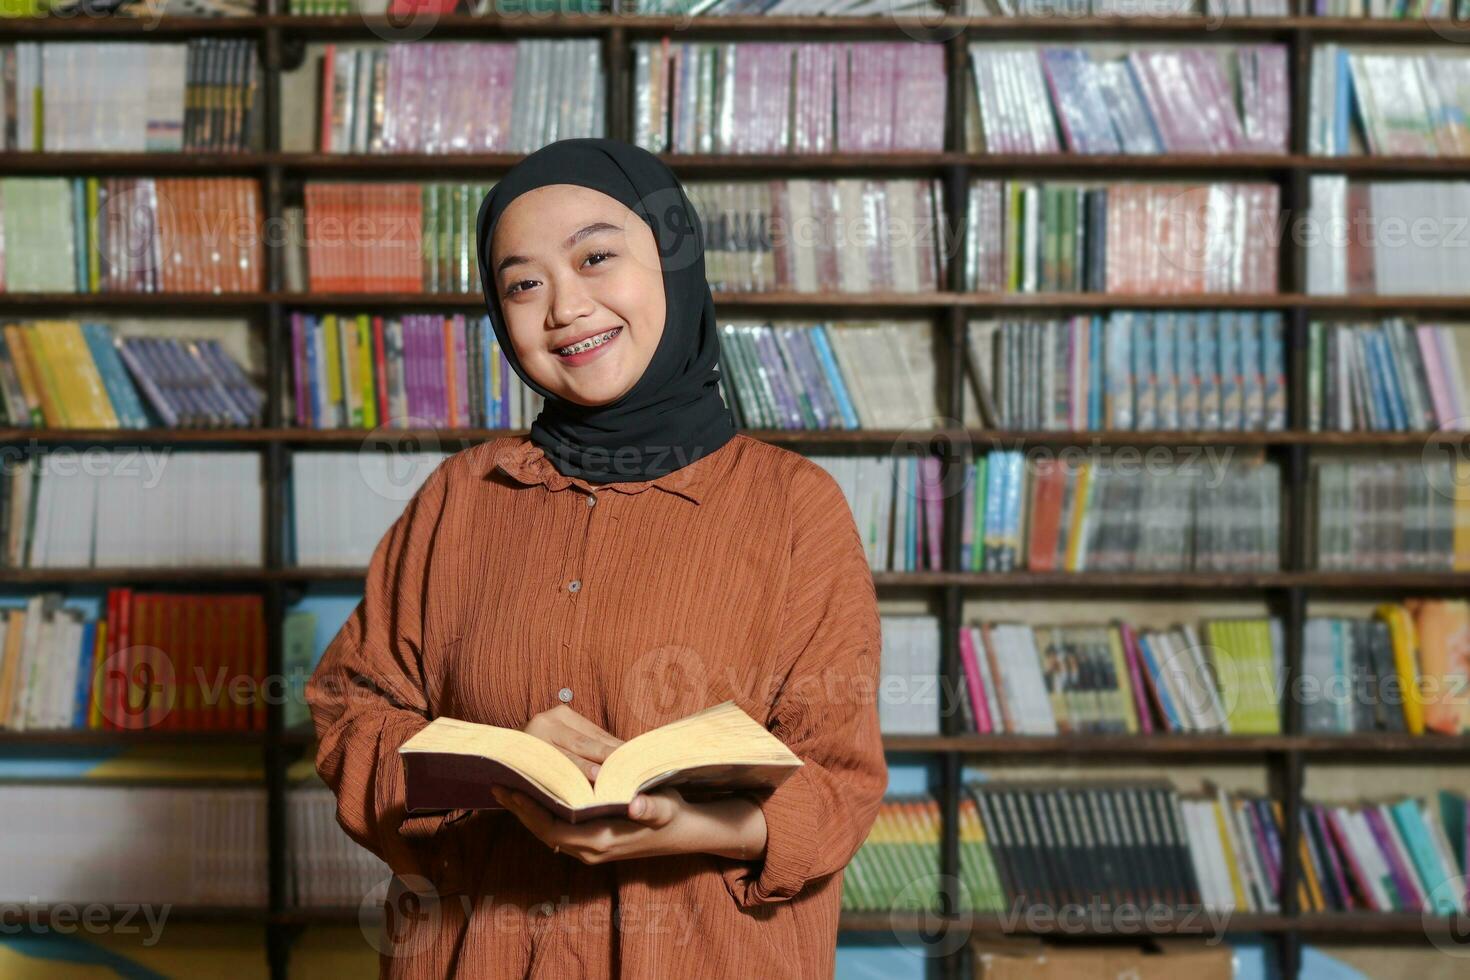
(281, 41)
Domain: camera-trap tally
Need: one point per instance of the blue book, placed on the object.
(1207, 368)
(1164, 364)
(1432, 872)
(1252, 388)
(823, 345)
(1383, 361)
(1186, 375)
(1145, 382)
(120, 389)
(1273, 369)
(1119, 356)
(1095, 373)
(1153, 662)
(1230, 372)
(86, 667)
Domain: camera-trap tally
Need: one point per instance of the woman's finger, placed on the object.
(588, 767)
(586, 746)
(651, 809)
(586, 726)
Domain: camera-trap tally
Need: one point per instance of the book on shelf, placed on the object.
(342, 503)
(1102, 99)
(908, 663)
(1392, 375)
(1392, 515)
(897, 866)
(1141, 9)
(1094, 512)
(132, 508)
(153, 660)
(1145, 238)
(897, 504)
(875, 374)
(201, 96)
(1403, 669)
(1388, 103)
(90, 235)
(328, 868)
(188, 846)
(1131, 370)
(783, 97)
(460, 96)
(452, 764)
(1386, 237)
(366, 371)
(1121, 678)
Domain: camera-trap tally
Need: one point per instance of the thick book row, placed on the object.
(782, 8)
(1388, 103)
(1214, 9)
(1401, 670)
(420, 371)
(848, 235)
(64, 374)
(132, 508)
(200, 96)
(391, 237)
(143, 849)
(481, 8)
(328, 868)
(1385, 10)
(1165, 238)
(1389, 376)
(1101, 512)
(898, 506)
(897, 866)
(152, 660)
(460, 97)
(131, 235)
(1202, 99)
(839, 97)
(1132, 371)
(841, 375)
(342, 503)
(1387, 238)
(1392, 515)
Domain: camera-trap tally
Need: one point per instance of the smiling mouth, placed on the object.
(588, 344)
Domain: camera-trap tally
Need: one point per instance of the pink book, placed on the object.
(1334, 821)
(978, 703)
(1448, 357)
(1144, 69)
(1397, 862)
(842, 79)
(1434, 370)
(1135, 676)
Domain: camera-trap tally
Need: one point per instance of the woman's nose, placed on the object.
(570, 301)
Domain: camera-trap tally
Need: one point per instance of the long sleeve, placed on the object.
(826, 709)
(367, 697)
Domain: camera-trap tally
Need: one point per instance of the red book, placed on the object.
(380, 370)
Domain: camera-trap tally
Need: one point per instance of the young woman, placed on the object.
(631, 562)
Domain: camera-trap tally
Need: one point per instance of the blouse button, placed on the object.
(591, 500)
(565, 694)
(575, 585)
(546, 908)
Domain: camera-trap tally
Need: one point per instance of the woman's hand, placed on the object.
(580, 740)
(658, 823)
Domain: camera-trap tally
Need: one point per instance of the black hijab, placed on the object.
(674, 414)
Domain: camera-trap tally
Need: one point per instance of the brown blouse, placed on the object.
(505, 585)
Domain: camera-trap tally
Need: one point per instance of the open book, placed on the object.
(451, 764)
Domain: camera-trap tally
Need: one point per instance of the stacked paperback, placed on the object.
(1132, 371)
(747, 97)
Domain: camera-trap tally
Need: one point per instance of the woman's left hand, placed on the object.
(658, 823)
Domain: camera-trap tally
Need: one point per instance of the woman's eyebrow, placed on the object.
(596, 228)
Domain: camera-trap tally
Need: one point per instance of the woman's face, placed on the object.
(577, 269)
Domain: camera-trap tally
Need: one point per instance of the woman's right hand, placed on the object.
(580, 740)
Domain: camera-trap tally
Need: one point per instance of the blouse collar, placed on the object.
(526, 462)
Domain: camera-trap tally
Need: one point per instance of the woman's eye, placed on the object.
(515, 287)
(599, 255)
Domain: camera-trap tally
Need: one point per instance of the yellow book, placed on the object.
(1309, 889)
(92, 393)
(351, 371)
(452, 764)
(1129, 707)
(1405, 663)
(1442, 627)
(94, 252)
(10, 662)
(99, 678)
(1076, 533)
(334, 368)
(53, 399)
(25, 372)
(1227, 844)
(1462, 515)
(369, 395)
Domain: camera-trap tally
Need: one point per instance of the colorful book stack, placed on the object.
(898, 505)
(1116, 678)
(1389, 103)
(460, 97)
(1407, 855)
(745, 97)
(201, 96)
(132, 508)
(1392, 515)
(342, 503)
(1387, 238)
(897, 867)
(158, 661)
(380, 237)
(64, 374)
(1132, 371)
(1133, 238)
(131, 235)
(1208, 99)
(822, 235)
(328, 868)
(419, 371)
(1096, 513)
(1405, 669)
(854, 375)
(1386, 376)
